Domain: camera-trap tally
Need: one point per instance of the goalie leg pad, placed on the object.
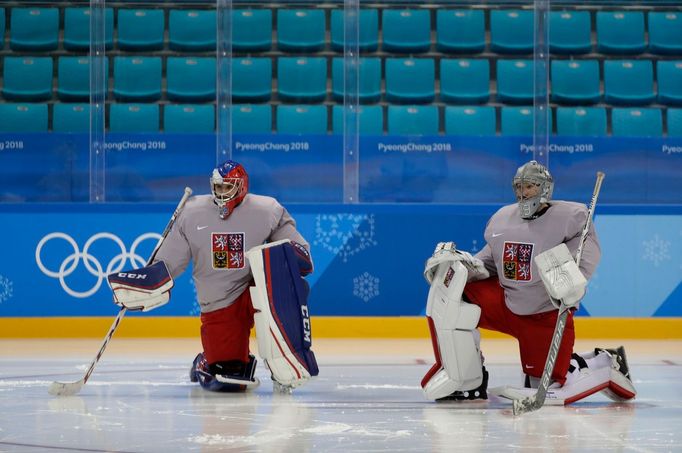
(452, 324)
(282, 320)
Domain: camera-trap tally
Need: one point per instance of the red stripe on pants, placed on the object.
(533, 332)
(225, 332)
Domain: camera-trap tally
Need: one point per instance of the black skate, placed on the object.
(479, 393)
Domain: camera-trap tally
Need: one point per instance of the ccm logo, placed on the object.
(132, 276)
(306, 324)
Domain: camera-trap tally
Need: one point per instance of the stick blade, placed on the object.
(525, 405)
(65, 388)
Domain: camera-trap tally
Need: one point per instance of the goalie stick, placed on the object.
(71, 388)
(535, 402)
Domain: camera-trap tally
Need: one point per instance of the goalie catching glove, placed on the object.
(446, 252)
(142, 289)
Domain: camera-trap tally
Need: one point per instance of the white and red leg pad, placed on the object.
(282, 321)
(452, 324)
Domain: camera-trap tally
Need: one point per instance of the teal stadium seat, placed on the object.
(73, 78)
(302, 119)
(511, 31)
(515, 81)
(137, 79)
(674, 122)
(302, 79)
(620, 32)
(23, 117)
(460, 30)
(570, 32)
(251, 79)
(665, 32)
(2, 27)
(371, 119)
(412, 120)
(191, 79)
(134, 118)
(34, 29)
(369, 84)
(470, 120)
(628, 82)
(189, 118)
(636, 122)
(669, 74)
(192, 30)
(251, 30)
(27, 78)
(518, 121)
(406, 30)
(77, 29)
(368, 40)
(251, 119)
(583, 121)
(71, 117)
(575, 81)
(464, 81)
(140, 29)
(410, 80)
(301, 30)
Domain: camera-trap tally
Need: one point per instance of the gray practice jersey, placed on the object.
(513, 243)
(217, 248)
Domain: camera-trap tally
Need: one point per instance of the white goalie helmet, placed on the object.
(537, 175)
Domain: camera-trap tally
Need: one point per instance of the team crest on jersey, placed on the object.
(516, 261)
(227, 250)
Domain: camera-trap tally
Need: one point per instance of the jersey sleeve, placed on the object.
(285, 228)
(486, 255)
(175, 250)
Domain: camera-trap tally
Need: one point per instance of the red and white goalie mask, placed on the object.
(229, 185)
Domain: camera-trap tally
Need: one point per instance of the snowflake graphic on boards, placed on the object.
(656, 250)
(6, 288)
(196, 309)
(345, 234)
(366, 286)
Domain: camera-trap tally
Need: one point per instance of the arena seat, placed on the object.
(192, 30)
(251, 30)
(636, 122)
(251, 119)
(371, 119)
(191, 79)
(515, 81)
(27, 78)
(73, 78)
(410, 80)
(665, 32)
(69, 117)
(464, 81)
(584, 121)
(368, 30)
(519, 121)
(669, 77)
(194, 118)
(2, 28)
(620, 32)
(302, 119)
(575, 81)
(570, 32)
(77, 29)
(628, 82)
(470, 120)
(460, 30)
(369, 83)
(301, 30)
(134, 118)
(251, 79)
(34, 29)
(302, 79)
(674, 122)
(406, 30)
(23, 117)
(413, 120)
(511, 31)
(140, 29)
(137, 78)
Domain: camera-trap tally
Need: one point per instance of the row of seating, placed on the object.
(313, 119)
(305, 30)
(305, 79)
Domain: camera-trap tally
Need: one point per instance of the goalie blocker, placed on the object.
(282, 320)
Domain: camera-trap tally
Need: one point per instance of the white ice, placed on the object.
(142, 401)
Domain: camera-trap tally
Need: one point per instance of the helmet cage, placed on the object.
(229, 185)
(537, 175)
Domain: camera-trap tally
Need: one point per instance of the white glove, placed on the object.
(446, 252)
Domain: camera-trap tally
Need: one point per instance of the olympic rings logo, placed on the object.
(92, 264)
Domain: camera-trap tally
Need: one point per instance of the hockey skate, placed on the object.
(479, 393)
(232, 376)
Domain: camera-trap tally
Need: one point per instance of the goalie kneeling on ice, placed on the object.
(142, 289)
(283, 328)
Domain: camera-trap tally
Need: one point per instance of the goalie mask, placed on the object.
(229, 185)
(533, 186)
